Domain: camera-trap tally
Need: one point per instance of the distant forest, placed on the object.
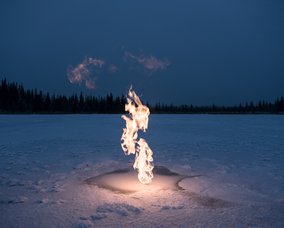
(14, 98)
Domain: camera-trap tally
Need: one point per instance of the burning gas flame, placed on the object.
(137, 120)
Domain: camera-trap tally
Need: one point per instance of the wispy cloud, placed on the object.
(90, 69)
(150, 62)
(112, 68)
(82, 72)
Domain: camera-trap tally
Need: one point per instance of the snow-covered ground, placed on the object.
(237, 161)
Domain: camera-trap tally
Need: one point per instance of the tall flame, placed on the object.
(138, 120)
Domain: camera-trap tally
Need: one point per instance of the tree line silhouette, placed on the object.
(15, 99)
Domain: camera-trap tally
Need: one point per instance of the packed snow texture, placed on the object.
(236, 163)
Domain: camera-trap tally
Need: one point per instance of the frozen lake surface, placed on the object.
(235, 164)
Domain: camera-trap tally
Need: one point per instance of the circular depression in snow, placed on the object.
(126, 181)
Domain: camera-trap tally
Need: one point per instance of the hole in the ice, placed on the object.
(125, 180)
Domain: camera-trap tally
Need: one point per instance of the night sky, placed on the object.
(184, 51)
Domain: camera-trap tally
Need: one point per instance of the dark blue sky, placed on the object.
(217, 51)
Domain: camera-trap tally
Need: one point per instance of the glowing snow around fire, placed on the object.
(138, 120)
